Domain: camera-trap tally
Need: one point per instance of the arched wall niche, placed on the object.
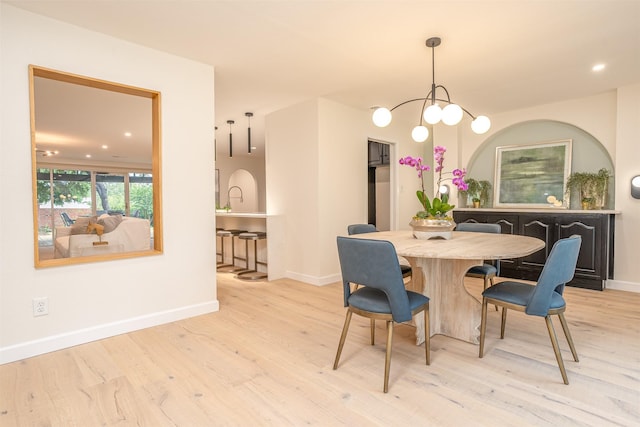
(242, 192)
(588, 153)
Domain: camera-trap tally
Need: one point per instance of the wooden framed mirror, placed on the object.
(96, 169)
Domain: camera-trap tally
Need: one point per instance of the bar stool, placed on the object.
(221, 246)
(223, 267)
(252, 274)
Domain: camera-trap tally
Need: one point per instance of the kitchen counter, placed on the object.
(241, 214)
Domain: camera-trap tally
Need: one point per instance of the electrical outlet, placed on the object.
(40, 306)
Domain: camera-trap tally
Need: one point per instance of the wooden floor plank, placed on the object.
(266, 359)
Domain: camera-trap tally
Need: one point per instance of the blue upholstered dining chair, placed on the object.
(543, 299)
(370, 228)
(374, 265)
(485, 271)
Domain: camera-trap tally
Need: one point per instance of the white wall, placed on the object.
(291, 158)
(343, 179)
(316, 173)
(96, 300)
(627, 268)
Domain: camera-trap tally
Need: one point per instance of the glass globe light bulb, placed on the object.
(420, 134)
(481, 124)
(381, 117)
(452, 114)
(432, 114)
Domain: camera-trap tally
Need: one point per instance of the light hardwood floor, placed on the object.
(266, 359)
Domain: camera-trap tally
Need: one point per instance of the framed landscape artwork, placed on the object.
(532, 175)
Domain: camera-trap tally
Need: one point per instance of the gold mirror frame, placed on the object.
(154, 96)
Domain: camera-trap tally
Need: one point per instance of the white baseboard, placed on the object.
(619, 285)
(313, 280)
(82, 336)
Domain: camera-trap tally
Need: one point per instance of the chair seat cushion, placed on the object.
(519, 293)
(375, 300)
(485, 270)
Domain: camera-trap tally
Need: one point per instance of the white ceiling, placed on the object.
(69, 120)
(495, 56)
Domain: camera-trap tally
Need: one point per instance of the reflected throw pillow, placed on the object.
(80, 226)
(110, 222)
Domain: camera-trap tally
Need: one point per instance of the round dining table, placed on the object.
(438, 270)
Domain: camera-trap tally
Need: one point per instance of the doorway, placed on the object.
(379, 185)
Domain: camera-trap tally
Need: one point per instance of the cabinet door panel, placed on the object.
(462, 217)
(541, 229)
(508, 225)
(589, 259)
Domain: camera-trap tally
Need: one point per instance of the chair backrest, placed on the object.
(361, 228)
(557, 271)
(66, 219)
(479, 227)
(374, 263)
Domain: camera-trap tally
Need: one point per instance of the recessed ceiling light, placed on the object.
(104, 147)
(88, 156)
(127, 134)
(598, 67)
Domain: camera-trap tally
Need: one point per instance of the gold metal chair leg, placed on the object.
(483, 326)
(556, 348)
(387, 360)
(345, 328)
(565, 328)
(503, 323)
(427, 335)
(373, 331)
(492, 283)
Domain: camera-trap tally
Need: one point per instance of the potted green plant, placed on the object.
(591, 186)
(478, 191)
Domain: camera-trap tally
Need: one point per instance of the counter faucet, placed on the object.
(229, 195)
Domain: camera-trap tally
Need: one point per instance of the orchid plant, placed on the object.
(439, 205)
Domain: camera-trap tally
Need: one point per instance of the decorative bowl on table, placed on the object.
(432, 228)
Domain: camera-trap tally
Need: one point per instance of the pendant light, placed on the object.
(230, 122)
(249, 115)
(215, 144)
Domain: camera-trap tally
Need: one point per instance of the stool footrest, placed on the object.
(228, 268)
(251, 275)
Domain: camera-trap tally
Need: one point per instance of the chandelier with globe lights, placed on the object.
(432, 113)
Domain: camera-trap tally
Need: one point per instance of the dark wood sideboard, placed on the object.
(595, 261)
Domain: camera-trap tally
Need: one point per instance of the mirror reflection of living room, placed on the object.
(119, 234)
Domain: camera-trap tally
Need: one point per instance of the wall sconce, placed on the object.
(635, 187)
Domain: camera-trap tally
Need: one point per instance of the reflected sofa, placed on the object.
(123, 234)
